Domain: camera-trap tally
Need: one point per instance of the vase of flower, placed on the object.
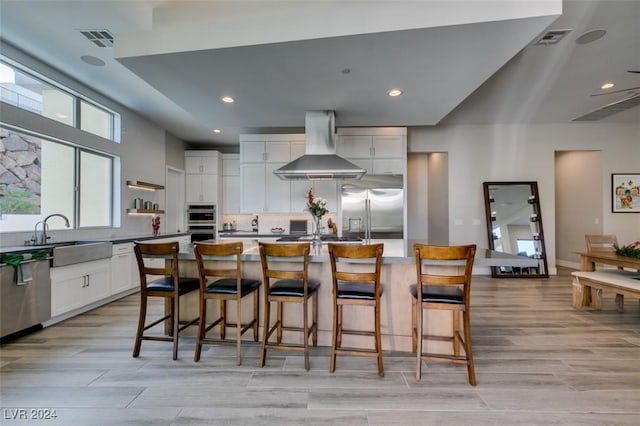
(317, 227)
(317, 207)
(155, 225)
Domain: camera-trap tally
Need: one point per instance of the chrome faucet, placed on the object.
(44, 238)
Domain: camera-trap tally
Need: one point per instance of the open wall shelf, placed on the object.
(144, 212)
(145, 186)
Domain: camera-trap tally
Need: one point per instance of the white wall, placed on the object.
(479, 153)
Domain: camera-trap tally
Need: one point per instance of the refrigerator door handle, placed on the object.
(367, 232)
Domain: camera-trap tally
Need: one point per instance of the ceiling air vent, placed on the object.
(101, 38)
(610, 109)
(552, 37)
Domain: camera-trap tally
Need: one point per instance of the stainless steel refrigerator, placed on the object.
(373, 207)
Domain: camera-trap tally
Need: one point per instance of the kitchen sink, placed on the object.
(78, 252)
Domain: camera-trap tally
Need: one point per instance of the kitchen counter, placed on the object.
(113, 240)
(247, 234)
(398, 273)
(394, 253)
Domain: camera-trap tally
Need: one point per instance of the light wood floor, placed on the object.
(537, 360)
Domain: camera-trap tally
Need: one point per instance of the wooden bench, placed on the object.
(623, 283)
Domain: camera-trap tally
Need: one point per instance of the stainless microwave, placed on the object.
(201, 213)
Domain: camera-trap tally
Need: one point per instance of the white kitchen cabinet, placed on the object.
(261, 190)
(267, 151)
(297, 149)
(202, 188)
(253, 196)
(203, 183)
(75, 286)
(124, 268)
(356, 146)
(278, 190)
(380, 166)
(230, 164)
(231, 183)
(202, 162)
(231, 194)
(383, 166)
(377, 154)
(388, 147)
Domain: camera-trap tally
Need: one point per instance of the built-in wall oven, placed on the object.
(201, 221)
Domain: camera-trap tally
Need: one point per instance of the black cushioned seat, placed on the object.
(441, 294)
(229, 286)
(185, 285)
(362, 291)
(293, 288)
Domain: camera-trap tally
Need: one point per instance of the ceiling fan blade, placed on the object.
(616, 91)
(634, 71)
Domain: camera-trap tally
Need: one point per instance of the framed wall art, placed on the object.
(625, 192)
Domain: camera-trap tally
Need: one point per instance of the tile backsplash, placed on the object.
(266, 221)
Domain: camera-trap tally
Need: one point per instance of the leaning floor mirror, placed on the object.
(514, 226)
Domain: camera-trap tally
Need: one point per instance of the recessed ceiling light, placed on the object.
(591, 36)
(216, 130)
(394, 92)
(607, 85)
(227, 99)
(92, 60)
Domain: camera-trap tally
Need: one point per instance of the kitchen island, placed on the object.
(398, 273)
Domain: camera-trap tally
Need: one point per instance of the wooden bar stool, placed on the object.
(443, 290)
(285, 272)
(356, 282)
(228, 285)
(169, 286)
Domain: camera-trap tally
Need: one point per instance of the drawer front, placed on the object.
(122, 248)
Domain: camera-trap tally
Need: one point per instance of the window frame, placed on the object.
(115, 119)
(77, 150)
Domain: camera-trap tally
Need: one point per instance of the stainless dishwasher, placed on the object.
(25, 296)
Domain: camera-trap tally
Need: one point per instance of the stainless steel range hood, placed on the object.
(319, 160)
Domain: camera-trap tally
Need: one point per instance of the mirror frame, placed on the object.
(536, 217)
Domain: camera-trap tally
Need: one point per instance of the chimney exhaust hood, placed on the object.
(319, 160)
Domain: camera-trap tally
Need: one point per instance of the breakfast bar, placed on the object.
(398, 273)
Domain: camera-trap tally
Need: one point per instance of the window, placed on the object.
(27, 90)
(95, 189)
(96, 120)
(45, 176)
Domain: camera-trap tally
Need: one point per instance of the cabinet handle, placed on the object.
(88, 280)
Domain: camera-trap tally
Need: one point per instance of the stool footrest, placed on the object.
(444, 358)
(357, 351)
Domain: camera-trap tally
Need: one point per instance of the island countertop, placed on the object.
(394, 253)
(397, 275)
